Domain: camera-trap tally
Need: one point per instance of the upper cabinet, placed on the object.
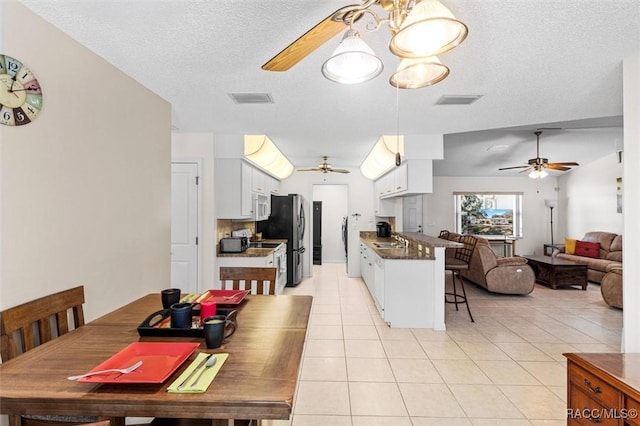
(411, 177)
(239, 189)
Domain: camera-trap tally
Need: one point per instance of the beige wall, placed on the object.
(85, 188)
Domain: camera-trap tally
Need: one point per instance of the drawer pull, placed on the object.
(597, 389)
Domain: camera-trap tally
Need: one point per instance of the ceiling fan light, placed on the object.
(538, 174)
(414, 73)
(352, 62)
(260, 150)
(429, 29)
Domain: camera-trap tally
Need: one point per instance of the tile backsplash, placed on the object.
(225, 226)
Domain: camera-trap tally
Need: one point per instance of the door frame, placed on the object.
(199, 224)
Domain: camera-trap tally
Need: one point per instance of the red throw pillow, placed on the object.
(588, 249)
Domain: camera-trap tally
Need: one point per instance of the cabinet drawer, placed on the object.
(594, 387)
(585, 410)
(632, 411)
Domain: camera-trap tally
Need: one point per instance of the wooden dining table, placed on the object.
(257, 381)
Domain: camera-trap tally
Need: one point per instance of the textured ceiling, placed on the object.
(537, 63)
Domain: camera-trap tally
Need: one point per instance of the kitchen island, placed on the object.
(406, 278)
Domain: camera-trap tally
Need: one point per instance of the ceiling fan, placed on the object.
(419, 29)
(323, 167)
(538, 164)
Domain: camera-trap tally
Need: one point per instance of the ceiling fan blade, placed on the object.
(516, 167)
(570, 163)
(339, 171)
(324, 31)
(557, 166)
(309, 169)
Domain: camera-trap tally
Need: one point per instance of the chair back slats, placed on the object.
(464, 253)
(259, 280)
(33, 323)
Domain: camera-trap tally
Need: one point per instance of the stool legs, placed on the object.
(459, 298)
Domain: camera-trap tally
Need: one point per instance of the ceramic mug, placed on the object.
(169, 297)
(216, 329)
(181, 315)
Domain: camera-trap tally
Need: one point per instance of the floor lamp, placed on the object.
(551, 204)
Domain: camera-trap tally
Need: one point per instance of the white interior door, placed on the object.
(412, 214)
(184, 226)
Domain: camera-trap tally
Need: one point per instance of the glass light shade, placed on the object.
(429, 29)
(352, 62)
(538, 174)
(260, 150)
(414, 73)
(382, 156)
(550, 202)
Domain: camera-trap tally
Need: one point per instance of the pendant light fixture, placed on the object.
(353, 61)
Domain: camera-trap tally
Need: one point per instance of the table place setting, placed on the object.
(198, 376)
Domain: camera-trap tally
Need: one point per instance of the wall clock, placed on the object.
(20, 93)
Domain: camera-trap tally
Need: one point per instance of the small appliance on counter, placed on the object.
(234, 244)
(383, 230)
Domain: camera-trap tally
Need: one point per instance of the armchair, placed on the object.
(507, 275)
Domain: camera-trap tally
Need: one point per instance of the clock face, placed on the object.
(20, 93)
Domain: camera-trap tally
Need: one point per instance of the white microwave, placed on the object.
(261, 209)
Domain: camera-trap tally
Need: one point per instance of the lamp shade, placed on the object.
(429, 29)
(352, 62)
(550, 202)
(414, 73)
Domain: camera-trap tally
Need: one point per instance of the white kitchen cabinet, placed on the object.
(233, 189)
(411, 177)
(238, 185)
(408, 293)
(258, 181)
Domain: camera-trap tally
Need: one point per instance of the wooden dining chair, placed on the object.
(33, 323)
(260, 280)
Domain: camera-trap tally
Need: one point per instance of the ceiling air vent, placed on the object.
(251, 98)
(458, 99)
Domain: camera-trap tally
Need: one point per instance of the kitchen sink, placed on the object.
(386, 245)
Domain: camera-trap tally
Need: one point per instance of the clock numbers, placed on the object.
(20, 93)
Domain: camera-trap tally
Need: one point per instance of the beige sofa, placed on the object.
(610, 254)
(506, 275)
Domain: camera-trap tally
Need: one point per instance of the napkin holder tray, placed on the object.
(156, 324)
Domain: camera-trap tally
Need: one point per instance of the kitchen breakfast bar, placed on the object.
(406, 277)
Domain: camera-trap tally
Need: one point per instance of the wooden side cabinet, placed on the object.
(603, 388)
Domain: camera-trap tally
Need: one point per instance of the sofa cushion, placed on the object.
(570, 245)
(615, 251)
(588, 249)
(604, 238)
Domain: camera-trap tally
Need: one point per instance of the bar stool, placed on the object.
(460, 262)
(444, 234)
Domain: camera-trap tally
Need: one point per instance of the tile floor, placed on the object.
(506, 368)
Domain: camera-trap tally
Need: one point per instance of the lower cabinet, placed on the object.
(603, 389)
(403, 290)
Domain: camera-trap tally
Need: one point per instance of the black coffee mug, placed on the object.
(181, 315)
(169, 297)
(216, 329)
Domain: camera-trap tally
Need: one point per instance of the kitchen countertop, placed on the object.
(251, 251)
(411, 252)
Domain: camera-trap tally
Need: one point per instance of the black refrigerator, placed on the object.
(287, 221)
